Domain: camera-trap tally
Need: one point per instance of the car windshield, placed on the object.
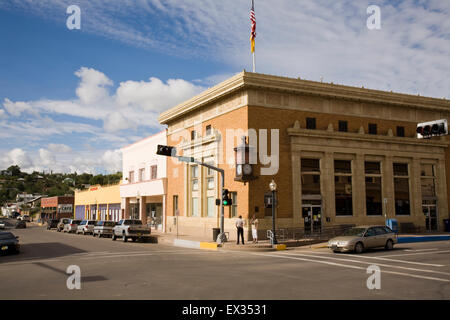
(136, 221)
(109, 223)
(76, 221)
(92, 223)
(5, 236)
(354, 232)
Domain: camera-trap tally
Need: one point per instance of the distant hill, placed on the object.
(14, 181)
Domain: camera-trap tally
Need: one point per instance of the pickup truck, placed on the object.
(130, 229)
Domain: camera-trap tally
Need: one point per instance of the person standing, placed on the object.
(240, 229)
(255, 223)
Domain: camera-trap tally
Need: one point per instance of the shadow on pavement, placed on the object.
(46, 250)
(83, 279)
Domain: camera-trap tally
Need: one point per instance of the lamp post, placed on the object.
(273, 188)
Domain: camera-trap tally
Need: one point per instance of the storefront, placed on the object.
(98, 203)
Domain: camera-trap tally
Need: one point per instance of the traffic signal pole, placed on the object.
(169, 151)
(222, 237)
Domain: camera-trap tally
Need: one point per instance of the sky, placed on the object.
(71, 98)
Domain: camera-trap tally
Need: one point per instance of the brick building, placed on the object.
(57, 207)
(347, 155)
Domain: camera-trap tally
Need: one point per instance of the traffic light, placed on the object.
(436, 128)
(226, 200)
(166, 151)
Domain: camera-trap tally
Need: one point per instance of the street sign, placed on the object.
(185, 159)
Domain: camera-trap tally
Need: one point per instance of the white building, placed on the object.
(144, 187)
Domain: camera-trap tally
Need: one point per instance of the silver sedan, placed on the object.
(358, 239)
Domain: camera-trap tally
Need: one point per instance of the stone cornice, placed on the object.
(284, 84)
(364, 137)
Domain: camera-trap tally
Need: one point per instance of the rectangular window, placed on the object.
(401, 189)
(131, 176)
(210, 206)
(194, 178)
(343, 126)
(234, 204)
(208, 130)
(194, 208)
(400, 131)
(310, 169)
(310, 123)
(372, 128)
(193, 135)
(343, 187)
(373, 188)
(154, 172)
(427, 181)
(175, 205)
(141, 174)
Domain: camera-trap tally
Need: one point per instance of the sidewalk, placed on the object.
(262, 245)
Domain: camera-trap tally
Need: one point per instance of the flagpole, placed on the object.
(254, 67)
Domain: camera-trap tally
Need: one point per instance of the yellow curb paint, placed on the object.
(321, 247)
(208, 245)
(280, 246)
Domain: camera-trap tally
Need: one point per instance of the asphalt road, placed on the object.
(116, 270)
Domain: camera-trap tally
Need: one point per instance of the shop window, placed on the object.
(210, 206)
(343, 187)
(343, 126)
(194, 208)
(400, 131)
(373, 188)
(427, 181)
(372, 128)
(233, 212)
(401, 189)
(310, 123)
(310, 169)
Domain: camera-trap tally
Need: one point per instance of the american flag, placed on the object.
(253, 20)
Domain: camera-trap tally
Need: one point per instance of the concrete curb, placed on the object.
(195, 244)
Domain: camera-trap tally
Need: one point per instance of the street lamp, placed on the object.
(273, 188)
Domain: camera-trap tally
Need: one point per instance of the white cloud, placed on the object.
(93, 85)
(2, 113)
(134, 104)
(109, 161)
(61, 148)
(16, 156)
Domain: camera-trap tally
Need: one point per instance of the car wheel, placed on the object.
(134, 239)
(113, 237)
(124, 238)
(84, 233)
(389, 245)
(359, 247)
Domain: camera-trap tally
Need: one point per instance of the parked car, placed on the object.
(358, 239)
(103, 228)
(21, 224)
(2, 225)
(61, 224)
(131, 229)
(86, 227)
(26, 218)
(9, 242)
(52, 224)
(71, 226)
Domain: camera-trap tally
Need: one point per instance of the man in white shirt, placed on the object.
(240, 229)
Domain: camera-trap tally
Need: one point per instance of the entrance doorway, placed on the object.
(431, 218)
(312, 216)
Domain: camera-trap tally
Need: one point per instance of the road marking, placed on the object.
(367, 262)
(419, 249)
(416, 253)
(350, 266)
(396, 260)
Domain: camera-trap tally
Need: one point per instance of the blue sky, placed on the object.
(69, 99)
